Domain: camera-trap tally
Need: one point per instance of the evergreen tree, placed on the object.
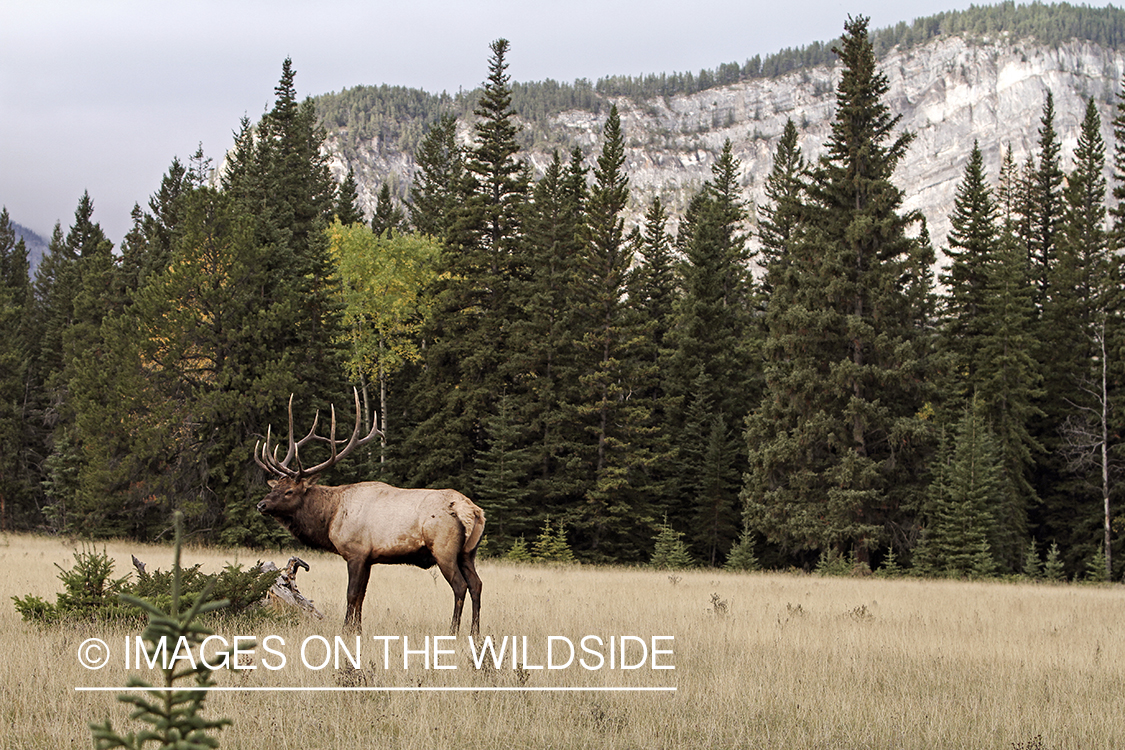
(653, 286)
(711, 449)
(742, 557)
(544, 363)
(1071, 321)
(388, 218)
(1047, 200)
(467, 345)
(652, 298)
(612, 523)
(89, 291)
(973, 249)
(501, 469)
(958, 513)
(781, 214)
(1117, 211)
(1053, 568)
(837, 442)
(52, 307)
(1032, 566)
(551, 545)
(148, 250)
(439, 170)
(279, 176)
(347, 201)
(986, 341)
(715, 346)
(1084, 314)
(16, 345)
(670, 552)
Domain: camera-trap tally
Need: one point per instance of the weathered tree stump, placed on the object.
(284, 593)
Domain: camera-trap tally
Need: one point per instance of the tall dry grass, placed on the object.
(793, 662)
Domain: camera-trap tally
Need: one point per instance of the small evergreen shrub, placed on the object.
(551, 545)
(1053, 569)
(890, 567)
(670, 552)
(91, 593)
(174, 717)
(741, 556)
(519, 551)
(1032, 566)
(1095, 568)
(832, 563)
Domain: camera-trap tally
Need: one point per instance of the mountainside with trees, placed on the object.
(787, 382)
(951, 77)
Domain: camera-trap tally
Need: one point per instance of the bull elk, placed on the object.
(373, 522)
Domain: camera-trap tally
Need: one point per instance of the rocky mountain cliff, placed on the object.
(949, 91)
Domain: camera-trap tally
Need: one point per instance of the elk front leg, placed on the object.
(359, 572)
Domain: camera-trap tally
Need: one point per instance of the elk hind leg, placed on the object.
(452, 572)
(468, 565)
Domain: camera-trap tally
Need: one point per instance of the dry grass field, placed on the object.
(761, 661)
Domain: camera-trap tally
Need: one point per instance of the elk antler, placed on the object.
(267, 458)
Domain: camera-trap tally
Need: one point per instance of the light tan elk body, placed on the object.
(372, 522)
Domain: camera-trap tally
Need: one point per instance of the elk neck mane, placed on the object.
(312, 520)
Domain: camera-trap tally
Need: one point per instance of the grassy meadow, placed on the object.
(761, 661)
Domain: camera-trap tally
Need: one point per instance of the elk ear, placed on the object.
(272, 483)
(310, 481)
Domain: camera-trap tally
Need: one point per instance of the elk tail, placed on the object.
(474, 528)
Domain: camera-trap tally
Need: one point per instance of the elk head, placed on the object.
(287, 491)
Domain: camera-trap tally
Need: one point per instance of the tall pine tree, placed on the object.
(837, 441)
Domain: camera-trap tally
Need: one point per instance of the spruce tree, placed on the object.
(86, 293)
(958, 513)
(543, 364)
(715, 348)
(781, 214)
(439, 170)
(986, 342)
(612, 523)
(347, 201)
(1084, 313)
(973, 247)
(1117, 211)
(468, 342)
(653, 286)
(1047, 200)
(669, 550)
(388, 218)
(279, 177)
(837, 442)
(742, 557)
(1072, 316)
(16, 345)
(652, 294)
(501, 471)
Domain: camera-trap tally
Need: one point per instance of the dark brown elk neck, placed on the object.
(311, 522)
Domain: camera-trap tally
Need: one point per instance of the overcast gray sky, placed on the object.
(100, 95)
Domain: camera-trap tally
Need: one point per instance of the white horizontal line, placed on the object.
(383, 689)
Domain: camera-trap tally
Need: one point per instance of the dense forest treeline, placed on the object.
(396, 117)
(517, 341)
